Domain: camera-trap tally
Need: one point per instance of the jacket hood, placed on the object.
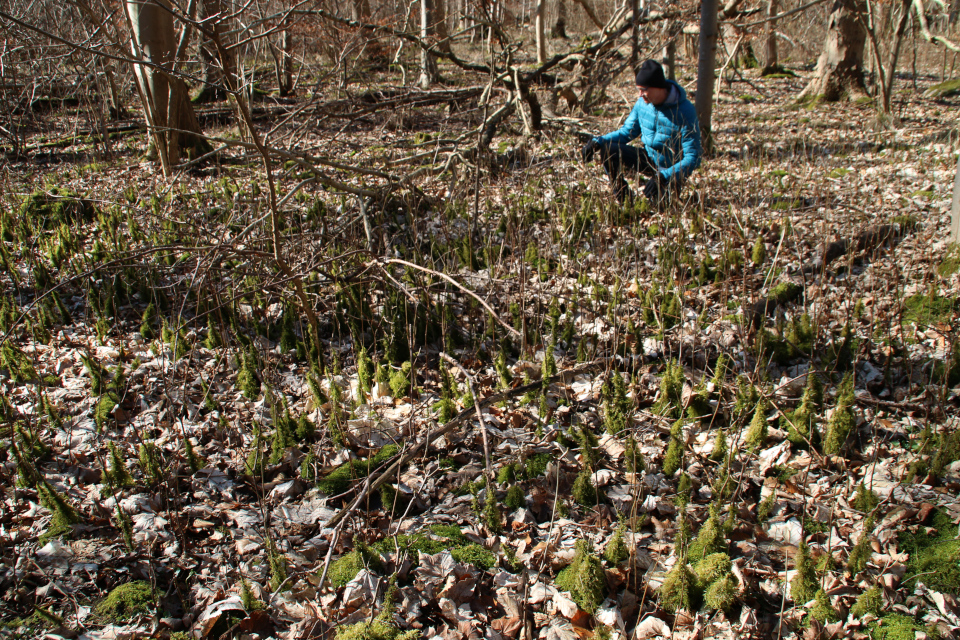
(675, 96)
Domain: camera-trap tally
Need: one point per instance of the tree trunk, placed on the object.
(165, 101)
(540, 29)
(839, 71)
(771, 58)
(670, 51)
(428, 65)
(438, 20)
(559, 28)
(283, 60)
(887, 73)
(635, 6)
(213, 89)
(706, 70)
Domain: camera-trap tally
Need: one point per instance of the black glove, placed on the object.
(589, 149)
(655, 188)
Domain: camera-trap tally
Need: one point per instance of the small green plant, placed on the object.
(633, 458)
(759, 254)
(338, 480)
(584, 578)
(515, 498)
(584, 491)
(247, 381)
(382, 626)
(491, 510)
(125, 524)
(866, 500)
(151, 462)
(400, 380)
(709, 539)
(365, 370)
(861, 552)
(678, 591)
(63, 515)
(194, 462)
(616, 405)
(895, 626)
(278, 567)
(116, 476)
(669, 402)
(247, 599)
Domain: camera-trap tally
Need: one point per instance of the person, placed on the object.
(667, 124)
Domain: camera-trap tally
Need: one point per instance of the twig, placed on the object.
(473, 393)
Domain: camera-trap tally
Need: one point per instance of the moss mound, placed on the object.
(340, 478)
(126, 601)
(934, 558)
(584, 578)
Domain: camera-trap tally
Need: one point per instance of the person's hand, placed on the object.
(589, 149)
(655, 188)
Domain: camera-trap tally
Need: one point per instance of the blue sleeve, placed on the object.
(629, 130)
(689, 142)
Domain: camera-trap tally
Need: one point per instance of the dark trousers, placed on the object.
(622, 161)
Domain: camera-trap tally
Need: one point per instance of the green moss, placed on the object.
(584, 578)
(759, 254)
(247, 381)
(895, 627)
(616, 550)
(616, 405)
(492, 517)
(537, 464)
(346, 567)
(400, 380)
(785, 292)
(507, 474)
(861, 552)
(804, 585)
(721, 594)
(709, 539)
(381, 627)
(474, 554)
(515, 498)
(116, 476)
(126, 601)
(338, 480)
(842, 422)
(865, 500)
(678, 590)
(103, 413)
(951, 261)
(584, 491)
(927, 309)
(673, 459)
(633, 459)
(365, 370)
(869, 602)
(822, 610)
(63, 515)
(712, 568)
(757, 433)
(944, 89)
(934, 557)
(669, 402)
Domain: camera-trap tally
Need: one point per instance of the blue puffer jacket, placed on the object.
(670, 133)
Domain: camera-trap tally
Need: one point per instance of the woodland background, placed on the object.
(315, 325)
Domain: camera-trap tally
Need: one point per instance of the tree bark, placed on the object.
(839, 71)
(771, 58)
(706, 70)
(559, 28)
(428, 64)
(165, 100)
(214, 67)
(540, 29)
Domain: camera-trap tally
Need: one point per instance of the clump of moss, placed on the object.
(515, 498)
(584, 578)
(785, 292)
(537, 464)
(678, 590)
(759, 254)
(247, 599)
(895, 627)
(346, 567)
(63, 515)
(801, 423)
(584, 491)
(935, 556)
(709, 539)
(715, 580)
(247, 382)
(616, 404)
(491, 510)
(616, 550)
(861, 552)
(381, 627)
(633, 459)
(870, 602)
(338, 480)
(822, 610)
(116, 475)
(126, 601)
(400, 380)
(746, 399)
(804, 585)
(125, 524)
(670, 402)
(673, 459)
(720, 447)
(757, 433)
(365, 370)
(474, 554)
(278, 567)
(842, 421)
(866, 500)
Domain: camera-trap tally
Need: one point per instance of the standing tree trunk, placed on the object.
(706, 70)
(428, 65)
(670, 29)
(283, 59)
(214, 67)
(540, 29)
(771, 58)
(559, 28)
(169, 114)
(635, 6)
(839, 71)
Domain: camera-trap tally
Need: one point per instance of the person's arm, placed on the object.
(629, 130)
(689, 142)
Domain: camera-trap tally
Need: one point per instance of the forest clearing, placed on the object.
(343, 339)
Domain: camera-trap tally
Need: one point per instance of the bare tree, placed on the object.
(428, 64)
(839, 70)
(771, 58)
(541, 31)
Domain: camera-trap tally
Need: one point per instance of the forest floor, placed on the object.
(746, 432)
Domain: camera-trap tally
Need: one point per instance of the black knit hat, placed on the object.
(651, 75)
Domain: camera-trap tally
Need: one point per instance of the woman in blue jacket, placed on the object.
(667, 125)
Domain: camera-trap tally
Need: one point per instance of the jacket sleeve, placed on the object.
(629, 130)
(689, 142)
